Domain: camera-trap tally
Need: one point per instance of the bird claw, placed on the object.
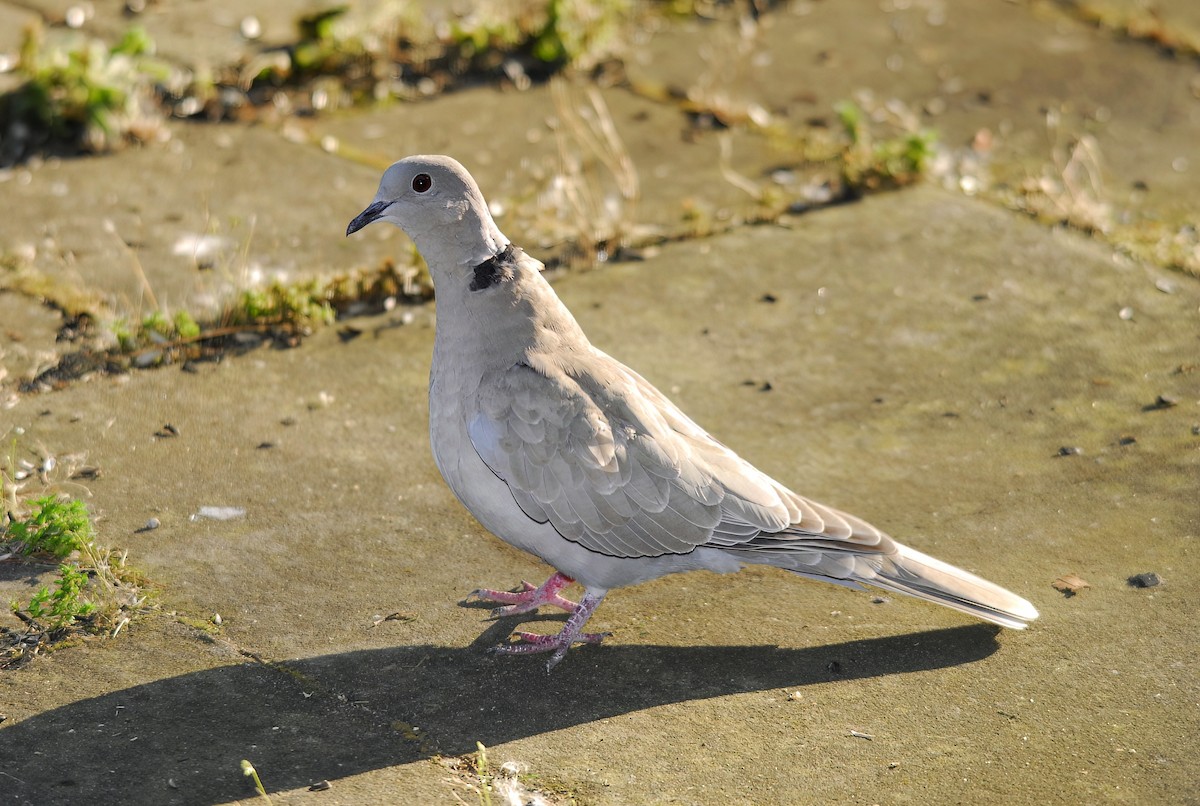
(528, 598)
(558, 644)
(490, 595)
(528, 643)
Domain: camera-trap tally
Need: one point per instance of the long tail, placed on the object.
(916, 574)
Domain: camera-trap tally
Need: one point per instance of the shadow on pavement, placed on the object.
(181, 740)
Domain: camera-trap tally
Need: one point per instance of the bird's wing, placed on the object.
(593, 448)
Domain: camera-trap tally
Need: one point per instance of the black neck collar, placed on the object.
(499, 268)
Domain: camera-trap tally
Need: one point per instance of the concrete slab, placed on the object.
(28, 337)
(205, 36)
(518, 144)
(185, 224)
(1004, 67)
(928, 356)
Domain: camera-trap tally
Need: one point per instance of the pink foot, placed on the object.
(558, 644)
(528, 598)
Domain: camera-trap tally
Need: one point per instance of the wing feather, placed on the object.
(613, 465)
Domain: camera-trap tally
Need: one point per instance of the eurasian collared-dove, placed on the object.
(563, 451)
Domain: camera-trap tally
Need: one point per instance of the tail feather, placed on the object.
(916, 574)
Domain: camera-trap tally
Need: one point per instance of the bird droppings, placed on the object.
(219, 513)
(1147, 580)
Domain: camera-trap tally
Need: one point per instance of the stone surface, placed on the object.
(1035, 78)
(185, 224)
(927, 356)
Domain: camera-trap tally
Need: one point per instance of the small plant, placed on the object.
(481, 770)
(279, 303)
(56, 527)
(82, 95)
(580, 32)
(59, 609)
(93, 591)
(509, 782)
(251, 773)
(870, 164)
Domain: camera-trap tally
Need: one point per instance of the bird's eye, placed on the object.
(422, 183)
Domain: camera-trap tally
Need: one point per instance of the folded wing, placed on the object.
(614, 466)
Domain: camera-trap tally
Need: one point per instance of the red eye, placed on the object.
(422, 183)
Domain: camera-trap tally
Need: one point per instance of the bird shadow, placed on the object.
(181, 739)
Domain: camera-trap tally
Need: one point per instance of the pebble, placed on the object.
(151, 525)
(251, 28)
(1146, 580)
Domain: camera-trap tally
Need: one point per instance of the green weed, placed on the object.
(871, 164)
(93, 590)
(81, 95)
(251, 773)
(55, 527)
(58, 609)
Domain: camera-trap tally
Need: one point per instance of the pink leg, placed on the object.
(528, 598)
(558, 644)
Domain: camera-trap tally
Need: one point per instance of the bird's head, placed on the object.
(435, 201)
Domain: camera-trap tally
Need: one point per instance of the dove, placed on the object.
(564, 452)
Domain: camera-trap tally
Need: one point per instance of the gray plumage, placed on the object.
(564, 452)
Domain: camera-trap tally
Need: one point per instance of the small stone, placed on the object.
(150, 526)
(251, 28)
(1146, 580)
(320, 786)
(1069, 450)
(1070, 584)
(1125, 313)
(76, 16)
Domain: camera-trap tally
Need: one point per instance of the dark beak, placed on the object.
(372, 213)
